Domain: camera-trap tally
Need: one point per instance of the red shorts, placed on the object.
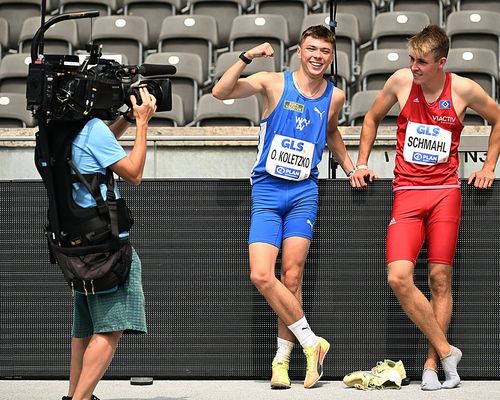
(418, 214)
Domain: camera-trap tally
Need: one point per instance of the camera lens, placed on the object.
(160, 89)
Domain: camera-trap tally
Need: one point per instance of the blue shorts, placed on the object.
(283, 209)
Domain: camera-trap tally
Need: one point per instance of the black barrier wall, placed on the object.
(205, 318)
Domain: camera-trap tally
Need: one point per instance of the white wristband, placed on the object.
(361, 167)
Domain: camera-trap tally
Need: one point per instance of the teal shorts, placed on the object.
(122, 310)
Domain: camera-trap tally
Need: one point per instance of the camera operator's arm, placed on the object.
(121, 124)
(130, 168)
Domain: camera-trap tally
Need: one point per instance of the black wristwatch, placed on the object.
(245, 59)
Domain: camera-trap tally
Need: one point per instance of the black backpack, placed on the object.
(84, 242)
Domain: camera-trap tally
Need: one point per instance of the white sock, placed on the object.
(430, 380)
(303, 333)
(284, 350)
(449, 364)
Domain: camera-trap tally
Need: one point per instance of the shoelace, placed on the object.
(310, 357)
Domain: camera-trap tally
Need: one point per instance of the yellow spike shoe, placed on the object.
(388, 379)
(280, 379)
(315, 356)
(357, 377)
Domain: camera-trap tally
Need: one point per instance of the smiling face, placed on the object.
(315, 55)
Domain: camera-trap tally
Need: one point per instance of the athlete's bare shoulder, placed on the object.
(399, 80)
(462, 86)
(338, 99)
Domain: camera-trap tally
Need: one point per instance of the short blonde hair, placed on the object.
(432, 39)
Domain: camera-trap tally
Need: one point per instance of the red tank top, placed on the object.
(427, 142)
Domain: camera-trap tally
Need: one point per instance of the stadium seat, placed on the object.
(15, 12)
(188, 79)
(174, 117)
(435, 9)
(485, 5)
(361, 103)
(294, 12)
(60, 38)
(154, 11)
(248, 31)
(391, 30)
(480, 65)
(231, 112)
(364, 10)
(105, 8)
(13, 113)
(13, 72)
(4, 36)
(379, 65)
(191, 34)
(474, 29)
(224, 11)
(126, 35)
(347, 34)
(473, 118)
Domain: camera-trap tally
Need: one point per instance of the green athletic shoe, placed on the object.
(280, 379)
(389, 364)
(388, 379)
(356, 377)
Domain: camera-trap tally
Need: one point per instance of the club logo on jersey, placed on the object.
(301, 122)
(444, 104)
(291, 105)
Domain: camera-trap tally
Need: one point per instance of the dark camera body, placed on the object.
(62, 89)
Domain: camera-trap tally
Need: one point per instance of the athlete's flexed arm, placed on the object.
(231, 86)
(334, 139)
(386, 98)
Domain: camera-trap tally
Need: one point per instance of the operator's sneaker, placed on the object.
(356, 377)
(388, 379)
(280, 379)
(69, 398)
(314, 357)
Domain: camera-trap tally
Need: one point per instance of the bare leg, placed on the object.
(96, 359)
(262, 274)
(416, 306)
(78, 347)
(293, 259)
(442, 304)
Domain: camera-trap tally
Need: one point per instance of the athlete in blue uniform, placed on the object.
(300, 115)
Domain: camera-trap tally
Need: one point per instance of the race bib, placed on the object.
(426, 144)
(290, 158)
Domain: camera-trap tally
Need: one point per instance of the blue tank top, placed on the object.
(293, 137)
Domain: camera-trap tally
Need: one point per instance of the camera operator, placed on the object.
(100, 320)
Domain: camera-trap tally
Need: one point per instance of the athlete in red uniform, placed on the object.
(427, 199)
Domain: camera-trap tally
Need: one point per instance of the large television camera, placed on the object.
(59, 87)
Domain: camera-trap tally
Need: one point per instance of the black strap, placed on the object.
(113, 210)
(45, 167)
(93, 188)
